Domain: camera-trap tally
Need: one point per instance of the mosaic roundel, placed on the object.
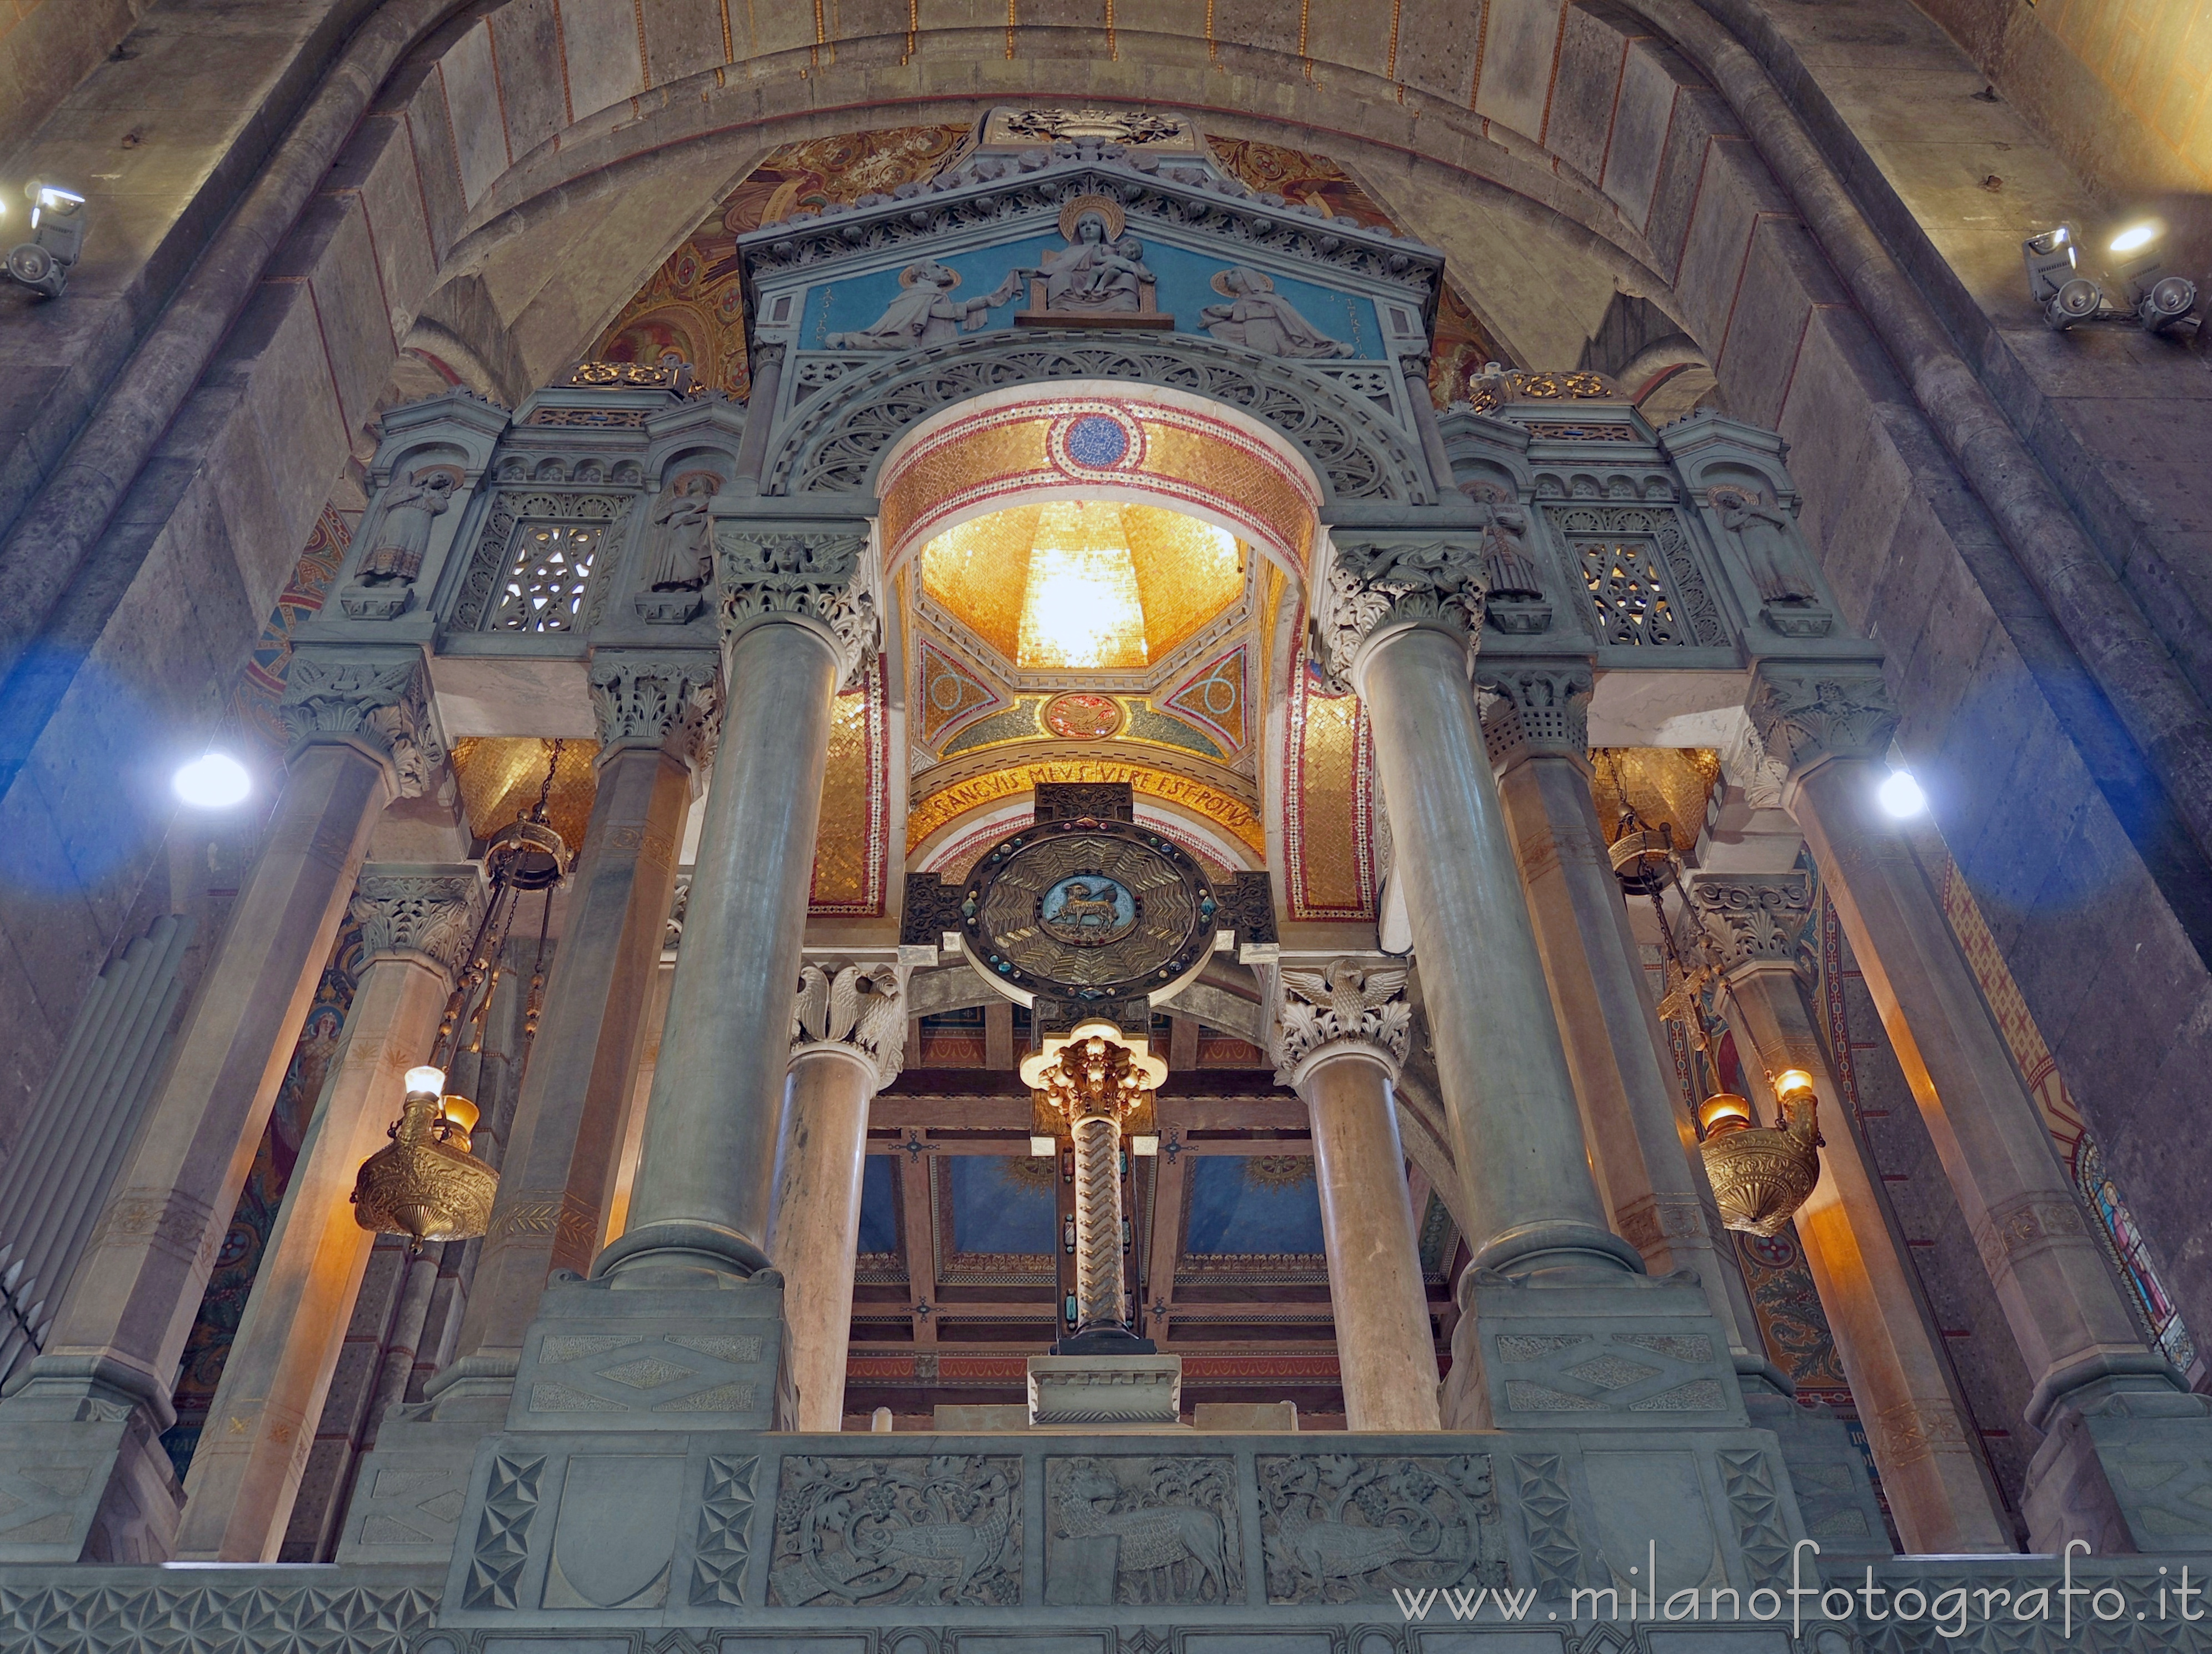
(1082, 717)
(1099, 437)
(1088, 910)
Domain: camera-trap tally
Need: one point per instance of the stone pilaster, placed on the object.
(416, 924)
(848, 1036)
(656, 711)
(1938, 1495)
(2104, 1397)
(1342, 1033)
(1536, 724)
(97, 1400)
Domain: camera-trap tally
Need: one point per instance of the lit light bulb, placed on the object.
(1901, 795)
(215, 781)
(425, 1081)
(1790, 1081)
(2135, 236)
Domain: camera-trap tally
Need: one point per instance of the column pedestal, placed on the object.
(91, 1409)
(417, 923)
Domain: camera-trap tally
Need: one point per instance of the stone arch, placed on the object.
(839, 442)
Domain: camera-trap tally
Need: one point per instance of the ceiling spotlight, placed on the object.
(2065, 297)
(2164, 304)
(215, 782)
(2135, 237)
(43, 263)
(1901, 795)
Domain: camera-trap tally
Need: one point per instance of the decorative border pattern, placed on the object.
(1295, 802)
(877, 751)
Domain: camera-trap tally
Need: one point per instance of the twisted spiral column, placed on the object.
(1097, 1221)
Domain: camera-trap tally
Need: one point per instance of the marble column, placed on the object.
(1641, 1142)
(1939, 1495)
(848, 1036)
(1831, 724)
(416, 924)
(655, 711)
(796, 621)
(1394, 616)
(98, 1398)
(1343, 1035)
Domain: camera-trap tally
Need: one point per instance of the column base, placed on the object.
(95, 1487)
(2128, 1471)
(1628, 1352)
(1106, 1392)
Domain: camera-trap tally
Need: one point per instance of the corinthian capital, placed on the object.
(818, 572)
(859, 1010)
(670, 699)
(1537, 707)
(1376, 581)
(1754, 918)
(1805, 713)
(375, 698)
(406, 908)
(1347, 1006)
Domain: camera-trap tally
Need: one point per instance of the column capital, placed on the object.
(1536, 709)
(853, 1011)
(375, 698)
(817, 572)
(1349, 1007)
(430, 909)
(1375, 583)
(671, 699)
(1755, 919)
(1805, 713)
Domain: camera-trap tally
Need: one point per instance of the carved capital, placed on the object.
(377, 698)
(1754, 918)
(822, 573)
(1537, 710)
(673, 700)
(857, 1009)
(433, 911)
(1349, 1004)
(1374, 582)
(679, 909)
(2011, 1230)
(1805, 713)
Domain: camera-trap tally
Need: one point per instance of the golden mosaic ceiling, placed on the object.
(1084, 586)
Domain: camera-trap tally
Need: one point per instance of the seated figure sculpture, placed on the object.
(925, 312)
(1093, 273)
(1260, 319)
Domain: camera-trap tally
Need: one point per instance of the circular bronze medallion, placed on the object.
(1088, 910)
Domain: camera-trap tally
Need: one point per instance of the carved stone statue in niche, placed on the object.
(1505, 560)
(402, 535)
(1762, 530)
(927, 313)
(1095, 271)
(681, 553)
(1260, 319)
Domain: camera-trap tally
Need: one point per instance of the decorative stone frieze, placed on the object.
(1373, 581)
(1539, 708)
(434, 913)
(379, 698)
(1136, 1530)
(859, 1009)
(673, 700)
(854, 1532)
(1754, 918)
(1348, 1528)
(1346, 1005)
(1805, 713)
(820, 572)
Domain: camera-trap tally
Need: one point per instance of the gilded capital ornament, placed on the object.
(860, 1010)
(672, 700)
(1803, 713)
(1540, 708)
(1347, 1006)
(822, 573)
(1753, 918)
(1372, 582)
(430, 910)
(377, 698)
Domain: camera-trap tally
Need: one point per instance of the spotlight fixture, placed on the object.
(215, 780)
(43, 263)
(2164, 303)
(1901, 795)
(2135, 237)
(2054, 281)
